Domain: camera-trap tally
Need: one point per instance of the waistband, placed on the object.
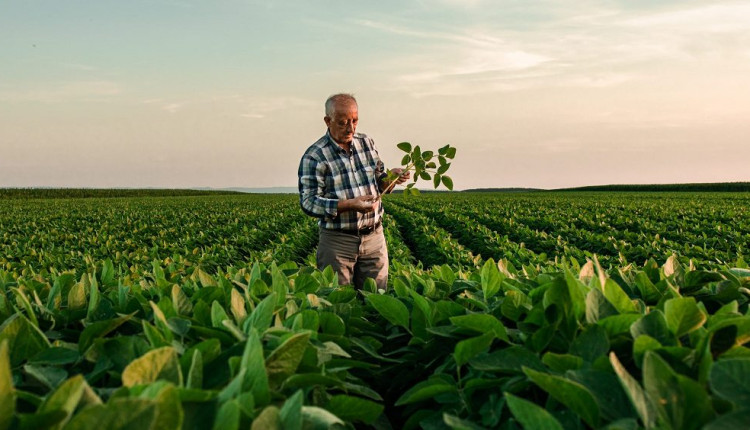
(364, 231)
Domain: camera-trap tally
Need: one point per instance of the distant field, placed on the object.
(63, 193)
(504, 310)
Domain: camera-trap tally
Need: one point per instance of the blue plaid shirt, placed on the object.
(327, 173)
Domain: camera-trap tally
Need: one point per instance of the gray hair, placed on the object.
(338, 98)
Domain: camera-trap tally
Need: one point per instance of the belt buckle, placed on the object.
(365, 231)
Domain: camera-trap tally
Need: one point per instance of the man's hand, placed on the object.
(402, 177)
(361, 204)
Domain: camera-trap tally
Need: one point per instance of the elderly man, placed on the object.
(341, 178)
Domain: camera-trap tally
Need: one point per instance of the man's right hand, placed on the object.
(361, 204)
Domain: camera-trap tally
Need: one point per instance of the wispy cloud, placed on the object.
(602, 47)
(260, 107)
(65, 92)
(80, 67)
(172, 107)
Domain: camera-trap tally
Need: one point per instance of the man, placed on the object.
(341, 178)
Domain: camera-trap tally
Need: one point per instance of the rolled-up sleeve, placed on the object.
(312, 176)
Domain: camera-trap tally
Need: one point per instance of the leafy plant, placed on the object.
(424, 166)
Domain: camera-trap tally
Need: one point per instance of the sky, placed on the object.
(230, 93)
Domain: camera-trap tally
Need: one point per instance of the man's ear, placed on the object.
(327, 120)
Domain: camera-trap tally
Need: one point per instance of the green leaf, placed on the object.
(643, 404)
(256, 378)
(406, 160)
(332, 324)
(108, 272)
(507, 360)
(25, 340)
(681, 403)
(238, 306)
(99, 329)
(467, 349)
(67, 397)
(94, 298)
(269, 419)
(350, 408)
(450, 153)
(195, 374)
(404, 146)
(157, 364)
(491, 279)
(7, 392)
(655, 325)
(316, 418)
(560, 363)
(180, 301)
(482, 323)
(443, 167)
(169, 412)
(572, 394)
(436, 180)
(683, 315)
(530, 415)
(642, 344)
(205, 279)
(425, 175)
(591, 343)
(619, 299)
(426, 390)
(730, 379)
(50, 377)
(261, 318)
(598, 307)
(390, 308)
(218, 314)
(732, 421)
(291, 413)
(77, 297)
(228, 416)
(285, 359)
(448, 182)
(457, 423)
(118, 414)
(606, 389)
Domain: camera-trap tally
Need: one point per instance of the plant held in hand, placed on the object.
(424, 166)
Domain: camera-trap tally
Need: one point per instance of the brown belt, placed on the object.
(361, 232)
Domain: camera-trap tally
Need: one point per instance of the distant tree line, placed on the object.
(77, 193)
(709, 187)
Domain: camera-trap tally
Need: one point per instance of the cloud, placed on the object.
(173, 107)
(576, 47)
(260, 107)
(65, 92)
(81, 67)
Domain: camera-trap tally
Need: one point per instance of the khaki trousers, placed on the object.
(354, 258)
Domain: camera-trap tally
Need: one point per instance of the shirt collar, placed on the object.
(333, 142)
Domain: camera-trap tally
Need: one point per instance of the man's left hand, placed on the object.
(402, 177)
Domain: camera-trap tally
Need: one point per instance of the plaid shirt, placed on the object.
(327, 173)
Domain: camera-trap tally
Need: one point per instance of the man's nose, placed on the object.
(350, 127)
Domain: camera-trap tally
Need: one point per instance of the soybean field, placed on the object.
(545, 310)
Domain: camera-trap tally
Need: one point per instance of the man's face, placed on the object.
(343, 123)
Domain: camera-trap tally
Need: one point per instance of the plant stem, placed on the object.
(390, 186)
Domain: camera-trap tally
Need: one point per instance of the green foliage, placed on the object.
(423, 164)
(502, 312)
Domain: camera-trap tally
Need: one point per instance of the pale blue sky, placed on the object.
(230, 93)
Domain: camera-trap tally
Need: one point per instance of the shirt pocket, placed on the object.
(339, 184)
